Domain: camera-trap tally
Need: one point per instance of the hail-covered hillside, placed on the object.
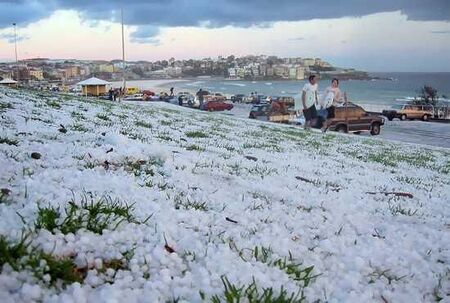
(149, 202)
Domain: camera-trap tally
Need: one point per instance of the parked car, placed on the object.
(273, 112)
(135, 97)
(163, 96)
(215, 105)
(409, 111)
(353, 118)
(147, 93)
(259, 111)
(186, 97)
(132, 90)
(238, 98)
(288, 101)
(215, 97)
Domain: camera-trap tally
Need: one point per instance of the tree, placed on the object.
(428, 95)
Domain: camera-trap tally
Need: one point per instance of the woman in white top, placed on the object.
(331, 98)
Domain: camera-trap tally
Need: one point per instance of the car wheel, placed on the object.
(376, 128)
(425, 118)
(390, 118)
(403, 117)
(342, 129)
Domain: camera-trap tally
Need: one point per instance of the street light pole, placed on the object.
(15, 50)
(123, 56)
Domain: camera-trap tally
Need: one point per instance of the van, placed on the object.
(132, 90)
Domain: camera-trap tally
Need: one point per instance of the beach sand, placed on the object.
(156, 86)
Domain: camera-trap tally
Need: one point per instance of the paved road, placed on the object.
(427, 133)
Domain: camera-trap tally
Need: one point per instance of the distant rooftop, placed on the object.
(8, 81)
(93, 81)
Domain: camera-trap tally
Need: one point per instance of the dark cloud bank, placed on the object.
(150, 15)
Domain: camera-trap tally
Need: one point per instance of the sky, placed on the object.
(395, 35)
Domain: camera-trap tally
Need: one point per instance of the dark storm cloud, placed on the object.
(296, 39)
(216, 13)
(10, 37)
(145, 34)
(440, 32)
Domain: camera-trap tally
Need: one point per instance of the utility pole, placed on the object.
(123, 56)
(15, 50)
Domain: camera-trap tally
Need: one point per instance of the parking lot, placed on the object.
(418, 132)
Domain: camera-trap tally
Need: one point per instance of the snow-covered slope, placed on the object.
(152, 202)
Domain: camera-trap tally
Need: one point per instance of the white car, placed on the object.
(187, 98)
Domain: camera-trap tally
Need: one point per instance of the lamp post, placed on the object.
(123, 56)
(15, 51)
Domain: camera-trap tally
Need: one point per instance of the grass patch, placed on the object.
(399, 210)
(4, 140)
(22, 255)
(195, 147)
(53, 103)
(103, 116)
(77, 115)
(89, 214)
(188, 204)
(79, 128)
(392, 158)
(263, 145)
(195, 134)
(165, 122)
(143, 167)
(293, 270)
(143, 124)
(164, 137)
(253, 294)
(5, 105)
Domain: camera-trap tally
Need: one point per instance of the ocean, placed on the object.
(375, 92)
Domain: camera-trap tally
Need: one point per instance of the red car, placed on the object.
(217, 106)
(147, 92)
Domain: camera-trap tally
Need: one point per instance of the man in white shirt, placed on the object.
(309, 100)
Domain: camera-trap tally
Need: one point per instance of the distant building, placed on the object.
(5, 74)
(309, 62)
(106, 68)
(232, 73)
(23, 73)
(240, 72)
(60, 74)
(93, 86)
(300, 73)
(174, 71)
(71, 72)
(172, 61)
(293, 73)
(84, 71)
(37, 74)
(8, 82)
(281, 71)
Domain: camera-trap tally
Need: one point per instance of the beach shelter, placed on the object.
(8, 82)
(93, 86)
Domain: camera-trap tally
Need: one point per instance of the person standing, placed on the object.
(309, 100)
(111, 94)
(200, 96)
(332, 97)
(171, 91)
